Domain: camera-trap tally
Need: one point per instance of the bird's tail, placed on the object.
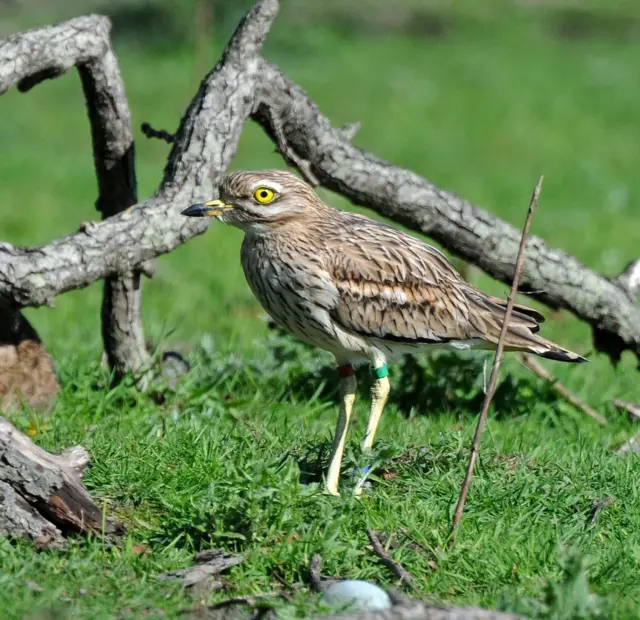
(522, 330)
(542, 347)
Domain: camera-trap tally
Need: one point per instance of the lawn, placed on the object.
(233, 458)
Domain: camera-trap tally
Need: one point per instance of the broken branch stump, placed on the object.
(42, 497)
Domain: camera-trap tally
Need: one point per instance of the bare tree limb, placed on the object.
(113, 153)
(495, 371)
(243, 85)
(629, 279)
(549, 275)
(46, 53)
(203, 147)
(30, 57)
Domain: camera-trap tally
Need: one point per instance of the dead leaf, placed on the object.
(140, 549)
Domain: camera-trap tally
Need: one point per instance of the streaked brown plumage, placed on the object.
(358, 288)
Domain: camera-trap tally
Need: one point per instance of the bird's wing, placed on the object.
(394, 287)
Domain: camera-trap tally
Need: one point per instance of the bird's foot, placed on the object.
(364, 474)
(332, 491)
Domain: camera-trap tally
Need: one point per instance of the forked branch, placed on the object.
(29, 58)
(241, 86)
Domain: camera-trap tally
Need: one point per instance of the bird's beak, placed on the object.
(207, 209)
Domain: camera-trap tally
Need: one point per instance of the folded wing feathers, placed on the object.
(395, 287)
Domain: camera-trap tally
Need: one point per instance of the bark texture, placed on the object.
(424, 611)
(243, 85)
(113, 154)
(31, 57)
(41, 495)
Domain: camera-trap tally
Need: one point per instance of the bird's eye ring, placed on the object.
(264, 195)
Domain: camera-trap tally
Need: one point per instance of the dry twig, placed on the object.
(160, 134)
(631, 445)
(395, 567)
(538, 369)
(284, 148)
(496, 365)
(631, 408)
(598, 506)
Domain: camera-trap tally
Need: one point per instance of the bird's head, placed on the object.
(255, 200)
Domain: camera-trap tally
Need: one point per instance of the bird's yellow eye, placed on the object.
(264, 195)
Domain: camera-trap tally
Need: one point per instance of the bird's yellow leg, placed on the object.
(379, 394)
(347, 398)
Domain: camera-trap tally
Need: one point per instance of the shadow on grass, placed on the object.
(441, 382)
(437, 384)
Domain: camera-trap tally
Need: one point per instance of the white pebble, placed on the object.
(356, 594)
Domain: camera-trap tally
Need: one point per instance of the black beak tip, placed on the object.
(198, 210)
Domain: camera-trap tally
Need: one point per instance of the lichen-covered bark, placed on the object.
(204, 145)
(113, 154)
(243, 85)
(28, 58)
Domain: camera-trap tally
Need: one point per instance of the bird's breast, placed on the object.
(293, 289)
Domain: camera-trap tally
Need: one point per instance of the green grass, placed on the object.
(233, 458)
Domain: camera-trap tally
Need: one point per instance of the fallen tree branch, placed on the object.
(41, 495)
(243, 85)
(538, 369)
(629, 279)
(424, 611)
(203, 147)
(549, 275)
(113, 153)
(29, 58)
(495, 371)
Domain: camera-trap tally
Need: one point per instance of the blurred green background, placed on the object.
(481, 98)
